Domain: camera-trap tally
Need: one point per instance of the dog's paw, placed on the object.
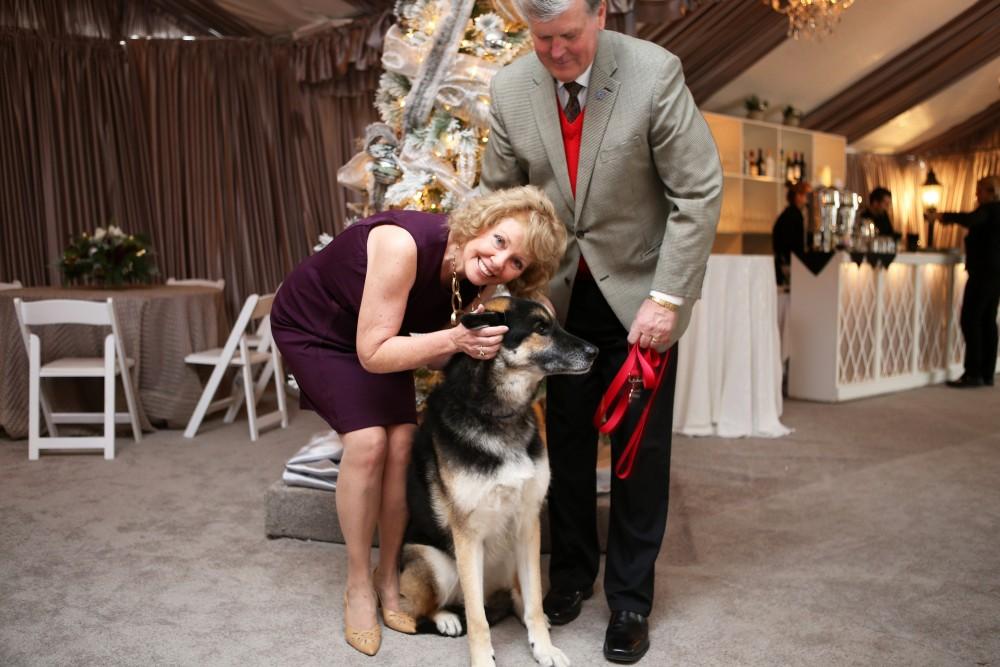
(549, 656)
(448, 623)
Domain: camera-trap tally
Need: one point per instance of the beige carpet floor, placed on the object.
(870, 536)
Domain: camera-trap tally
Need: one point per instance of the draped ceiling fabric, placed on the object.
(980, 132)
(959, 47)
(718, 40)
(118, 20)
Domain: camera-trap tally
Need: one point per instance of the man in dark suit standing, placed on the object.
(879, 208)
(606, 126)
(982, 289)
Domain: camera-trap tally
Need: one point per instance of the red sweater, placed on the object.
(571, 143)
(571, 133)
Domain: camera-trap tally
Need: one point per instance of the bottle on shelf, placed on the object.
(753, 164)
(790, 167)
(769, 164)
(802, 166)
(760, 163)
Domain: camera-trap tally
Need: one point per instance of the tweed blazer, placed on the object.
(649, 182)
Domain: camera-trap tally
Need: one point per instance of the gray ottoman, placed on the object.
(310, 514)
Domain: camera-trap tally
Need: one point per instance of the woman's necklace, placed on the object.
(456, 295)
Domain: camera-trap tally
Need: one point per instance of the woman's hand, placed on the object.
(481, 343)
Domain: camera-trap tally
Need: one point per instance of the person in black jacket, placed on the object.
(788, 236)
(879, 207)
(982, 290)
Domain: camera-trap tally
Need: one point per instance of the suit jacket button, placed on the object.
(580, 233)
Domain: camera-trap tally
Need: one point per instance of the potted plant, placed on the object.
(791, 116)
(755, 107)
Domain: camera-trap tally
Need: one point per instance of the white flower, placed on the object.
(99, 233)
(324, 241)
(115, 231)
(93, 249)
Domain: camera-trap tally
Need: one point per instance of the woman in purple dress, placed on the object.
(343, 321)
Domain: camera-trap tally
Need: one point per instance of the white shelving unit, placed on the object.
(750, 204)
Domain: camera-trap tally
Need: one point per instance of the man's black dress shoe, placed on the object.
(965, 381)
(627, 638)
(562, 606)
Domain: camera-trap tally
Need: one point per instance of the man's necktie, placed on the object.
(573, 106)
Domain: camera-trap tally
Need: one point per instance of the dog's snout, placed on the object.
(590, 352)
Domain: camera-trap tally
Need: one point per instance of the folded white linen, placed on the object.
(296, 479)
(325, 469)
(324, 445)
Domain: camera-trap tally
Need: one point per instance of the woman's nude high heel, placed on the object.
(367, 641)
(397, 620)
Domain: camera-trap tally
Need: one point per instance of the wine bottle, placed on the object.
(769, 164)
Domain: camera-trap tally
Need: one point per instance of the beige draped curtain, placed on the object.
(66, 148)
(213, 147)
(903, 176)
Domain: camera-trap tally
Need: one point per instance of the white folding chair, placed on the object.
(114, 362)
(11, 285)
(239, 352)
(219, 284)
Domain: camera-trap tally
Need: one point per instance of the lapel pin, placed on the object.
(601, 94)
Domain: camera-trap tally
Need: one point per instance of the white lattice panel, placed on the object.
(957, 342)
(934, 280)
(891, 329)
(856, 329)
(897, 319)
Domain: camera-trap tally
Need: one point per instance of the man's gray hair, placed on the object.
(546, 10)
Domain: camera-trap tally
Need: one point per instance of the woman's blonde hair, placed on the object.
(545, 234)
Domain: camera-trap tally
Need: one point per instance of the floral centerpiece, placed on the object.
(108, 257)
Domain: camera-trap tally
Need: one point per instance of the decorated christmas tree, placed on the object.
(433, 99)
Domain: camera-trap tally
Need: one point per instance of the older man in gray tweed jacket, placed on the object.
(606, 126)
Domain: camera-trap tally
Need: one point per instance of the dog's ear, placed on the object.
(487, 318)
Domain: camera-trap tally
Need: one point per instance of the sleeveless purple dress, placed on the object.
(314, 320)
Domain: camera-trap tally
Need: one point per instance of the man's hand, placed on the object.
(653, 326)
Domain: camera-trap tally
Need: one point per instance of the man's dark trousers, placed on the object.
(979, 325)
(639, 504)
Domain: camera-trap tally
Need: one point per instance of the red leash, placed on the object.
(642, 366)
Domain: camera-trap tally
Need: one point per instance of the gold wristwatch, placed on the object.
(663, 303)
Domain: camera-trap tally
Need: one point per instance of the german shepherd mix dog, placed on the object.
(478, 477)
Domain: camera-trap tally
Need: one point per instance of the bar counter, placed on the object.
(858, 331)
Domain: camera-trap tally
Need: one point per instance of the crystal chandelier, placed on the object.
(810, 17)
